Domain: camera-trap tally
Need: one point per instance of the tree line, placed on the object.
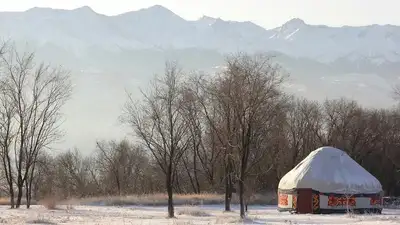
(235, 131)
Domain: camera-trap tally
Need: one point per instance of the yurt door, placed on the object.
(304, 201)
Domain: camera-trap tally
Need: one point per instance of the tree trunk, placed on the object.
(29, 194)
(118, 186)
(10, 179)
(241, 198)
(227, 195)
(243, 168)
(28, 186)
(12, 197)
(20, 186)
(117, 180)
(28, 197)
(195, 172)
(228, 186)
(170, 197)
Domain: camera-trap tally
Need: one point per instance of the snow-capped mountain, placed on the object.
(159, 28)
(374, 42)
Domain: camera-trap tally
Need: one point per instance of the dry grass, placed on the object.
(49, 202)
(6, 201)
(260, 199)
(151, 200)
(177, 222)
(179, 200)
(190, 211)
(41, 221)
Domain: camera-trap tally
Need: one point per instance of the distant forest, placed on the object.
(232, 132)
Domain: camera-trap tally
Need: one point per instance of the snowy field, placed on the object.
(185, 215)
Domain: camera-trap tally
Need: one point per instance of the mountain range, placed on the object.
(109, 54)
(157, 27)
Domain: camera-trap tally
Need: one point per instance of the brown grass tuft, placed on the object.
(42, 221)
(4, 201)
(49, 202)
(191, 211)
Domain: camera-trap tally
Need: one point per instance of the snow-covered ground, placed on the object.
(185, 215)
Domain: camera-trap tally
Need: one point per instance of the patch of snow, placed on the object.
(91, 215)
(288, 37)
(362, 85)
(302, 89)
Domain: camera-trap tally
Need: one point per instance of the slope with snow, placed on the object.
(330, 43)
(92, 215)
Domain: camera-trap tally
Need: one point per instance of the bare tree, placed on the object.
(72, 174)
(192, 112)
(158, 122)
(121, 166)
(256, 102)
(7, 123)
(339, 115)
(44, 184)
(213, 98)
(37, 92)
(303, 120)
(109, 161)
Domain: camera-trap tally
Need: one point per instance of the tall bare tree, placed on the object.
(213, 98)
(193, 114)
(256, 101)
(159, 123)
(7, 132)
(37, 92)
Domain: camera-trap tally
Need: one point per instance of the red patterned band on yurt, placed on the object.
(311, 201)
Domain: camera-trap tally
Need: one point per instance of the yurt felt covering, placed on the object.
(332, 181)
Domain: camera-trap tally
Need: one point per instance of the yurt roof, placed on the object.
(330, 170)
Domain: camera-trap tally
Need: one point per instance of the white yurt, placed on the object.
(328, 180)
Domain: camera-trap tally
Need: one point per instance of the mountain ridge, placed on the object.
(160, 28)
(166, 9)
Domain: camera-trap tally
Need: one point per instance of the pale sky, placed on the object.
(267, 13)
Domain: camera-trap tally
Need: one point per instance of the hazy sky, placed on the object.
(267, 13)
